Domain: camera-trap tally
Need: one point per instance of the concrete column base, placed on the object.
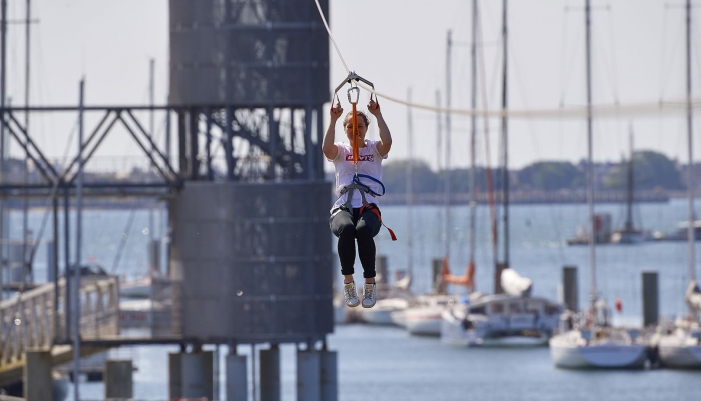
(236, 378)
(38, 383)
(270, 374)
(329, 375)
(191, 375)
(118, 379)
(308, 375)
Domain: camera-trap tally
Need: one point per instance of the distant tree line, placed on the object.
(651, 170)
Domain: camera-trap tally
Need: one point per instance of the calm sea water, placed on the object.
(387, 364)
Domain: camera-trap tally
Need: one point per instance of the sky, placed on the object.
(400, 45)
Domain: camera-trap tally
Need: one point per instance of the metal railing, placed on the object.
(33, 322)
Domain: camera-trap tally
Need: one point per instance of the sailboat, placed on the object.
(628, 234)
(510, 317)
(592, 342)
(681, 347)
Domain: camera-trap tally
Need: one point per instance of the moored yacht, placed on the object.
(603, 347)
(593, 343)
(424, 317)
(501, 320)
(381, 313)
(680, 347)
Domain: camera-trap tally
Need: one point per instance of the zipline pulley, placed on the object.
(354, 98)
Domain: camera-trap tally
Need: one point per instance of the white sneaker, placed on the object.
(350, 294)
(369, 295)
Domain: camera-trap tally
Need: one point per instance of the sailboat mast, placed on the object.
(446, 187)
(590, 164)
(473, 135)
(690, 129)
(504, 132)
(410, 187)
(629, 185)
(439, 148)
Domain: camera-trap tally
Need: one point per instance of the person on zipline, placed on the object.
(351, 219)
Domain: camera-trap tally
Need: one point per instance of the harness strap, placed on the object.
(350, 189)
(373, 208)
(370, 206)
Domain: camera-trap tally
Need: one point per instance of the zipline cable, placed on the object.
(601, 111)
(328, 30)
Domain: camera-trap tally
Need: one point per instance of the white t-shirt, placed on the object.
(370, 164)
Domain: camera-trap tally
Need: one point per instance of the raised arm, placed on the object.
(327, 145)
(385, 136)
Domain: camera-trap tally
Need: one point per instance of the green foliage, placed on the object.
(550, 176)
(425, 180)
(650, 170)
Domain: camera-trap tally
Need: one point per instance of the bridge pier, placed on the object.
(329, 375)
(118, 379)
(191, 374)
(270, 374)
(308, 375)
(38, 383)
(236, 377)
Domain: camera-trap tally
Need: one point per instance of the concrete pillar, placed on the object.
(175, 386)
(329, 375)
(381, 268)
(308, 375)
(191, 375)
(569, 288)
(270, 374)
(118, 379)
(651, 308)
(236, 378)
(198, 375)
(38, 383)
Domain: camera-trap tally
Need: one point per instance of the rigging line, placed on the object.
(563, 52)
(125, 236)
(602, 64)
(328, 30)
(697, 46)
(534, 141)
(672, 59)
(573, 112)
(570, 70)
(614, 64)
(663, 49)
(642, 108)
(485, 101)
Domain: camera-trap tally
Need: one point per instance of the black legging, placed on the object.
(348, 228)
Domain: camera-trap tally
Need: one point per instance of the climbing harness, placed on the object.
(353, 98)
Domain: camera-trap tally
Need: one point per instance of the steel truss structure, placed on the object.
(214, 143)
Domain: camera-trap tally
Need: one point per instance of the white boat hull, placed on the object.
(605, 356)
(453, 332)
(679, 350)
(681, 357)
(423, 324)
(381, 313)
(398, 318)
